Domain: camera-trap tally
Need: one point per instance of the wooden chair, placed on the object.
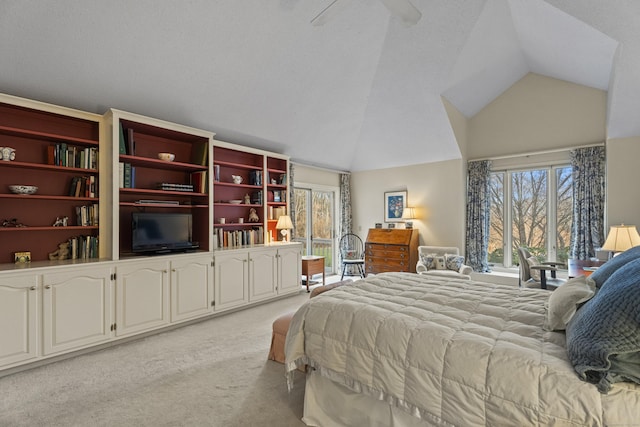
(352, 253)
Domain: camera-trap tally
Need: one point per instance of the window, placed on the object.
(532, 208)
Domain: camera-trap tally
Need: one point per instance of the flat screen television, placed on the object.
(161, 232)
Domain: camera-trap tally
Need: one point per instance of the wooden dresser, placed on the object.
(388, 249)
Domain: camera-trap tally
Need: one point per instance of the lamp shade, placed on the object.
(621, 238)
(409, 213)
(284, 222)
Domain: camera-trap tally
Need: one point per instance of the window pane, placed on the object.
(564, 213)
(496, 232)
(300, 214)
(529, 212)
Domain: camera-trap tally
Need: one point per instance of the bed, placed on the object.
(401, 349)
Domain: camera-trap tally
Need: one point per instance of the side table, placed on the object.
(312, 264)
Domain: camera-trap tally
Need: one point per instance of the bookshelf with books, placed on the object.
(277, 192)
(158, 167)
(52, 170)
(237, 196)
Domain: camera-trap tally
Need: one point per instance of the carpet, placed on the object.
(212, 373)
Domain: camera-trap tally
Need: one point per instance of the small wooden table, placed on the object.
(576, 267)
(311, 265)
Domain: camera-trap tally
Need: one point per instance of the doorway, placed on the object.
(314, 214)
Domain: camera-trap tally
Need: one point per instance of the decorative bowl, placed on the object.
(235, 202)
(167, 157)
(23, 189)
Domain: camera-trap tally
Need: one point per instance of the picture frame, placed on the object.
(394, 204)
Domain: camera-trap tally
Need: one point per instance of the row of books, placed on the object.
(169, 186)
(87, 215)
(126, 175)
(83, 247)
(275, 212)
(83, 186)
(237, 238)
(71, 156)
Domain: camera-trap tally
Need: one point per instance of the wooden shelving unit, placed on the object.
(256, 168)
(34, 129)
(144, 139)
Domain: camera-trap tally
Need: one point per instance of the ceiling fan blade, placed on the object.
(329, 12)
(404, 10)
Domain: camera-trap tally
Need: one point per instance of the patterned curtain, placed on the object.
(345, 204)
(587, 229)
(292, 198)
(478, 210)
(345, 213)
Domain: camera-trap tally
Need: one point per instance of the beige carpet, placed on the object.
(213, 373)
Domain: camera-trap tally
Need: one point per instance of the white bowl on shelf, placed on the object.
(23, 189)
(167, 157)
(235, 202)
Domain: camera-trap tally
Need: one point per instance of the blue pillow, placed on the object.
(603, 337)
(602, 274)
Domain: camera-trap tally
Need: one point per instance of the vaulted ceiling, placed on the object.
(363, 91)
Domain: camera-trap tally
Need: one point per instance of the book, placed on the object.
(127, 175)
(200, 153)
(123, 141)
(131, 143)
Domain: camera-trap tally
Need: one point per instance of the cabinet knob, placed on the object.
(48, 287)
(33, 288)
(173, 270)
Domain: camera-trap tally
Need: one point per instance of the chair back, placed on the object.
(351, 247)
(525, 273)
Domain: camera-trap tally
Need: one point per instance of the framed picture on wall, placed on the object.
(394, 204)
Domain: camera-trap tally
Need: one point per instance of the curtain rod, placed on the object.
(318, 167)
(537, 153)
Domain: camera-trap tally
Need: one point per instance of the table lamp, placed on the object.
(620, 238)
(284, 224)
(408, 213)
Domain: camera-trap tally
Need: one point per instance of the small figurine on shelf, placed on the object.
(61, 221)
(253, 216)
(61, 253)
(247, 199)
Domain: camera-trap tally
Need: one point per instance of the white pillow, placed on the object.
(564, 301)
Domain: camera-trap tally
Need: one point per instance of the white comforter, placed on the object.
(451, 352)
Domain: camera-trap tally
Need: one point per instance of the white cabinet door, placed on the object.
(231, 280)
(262, 274)
(142, 296)
(191, 287)
(19, 319)
(76, 308)
(289, 269)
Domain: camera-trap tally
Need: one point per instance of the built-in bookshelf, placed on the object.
(55, 149)
(145, 182)
(246, 200)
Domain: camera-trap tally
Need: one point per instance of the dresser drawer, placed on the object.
(387, 261)
(381, 267)
(387, 251)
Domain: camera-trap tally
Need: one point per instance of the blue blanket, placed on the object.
(603, 338)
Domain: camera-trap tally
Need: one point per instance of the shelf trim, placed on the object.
(149, 162)
(51, 228)
(237, 165)
(162, 205)
(164, 192)
(8, 130)
(47, 197)
(53, 168)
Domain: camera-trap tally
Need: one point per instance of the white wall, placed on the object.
(623, 176)
(538, 113)
(312, 175)
(435, 189)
